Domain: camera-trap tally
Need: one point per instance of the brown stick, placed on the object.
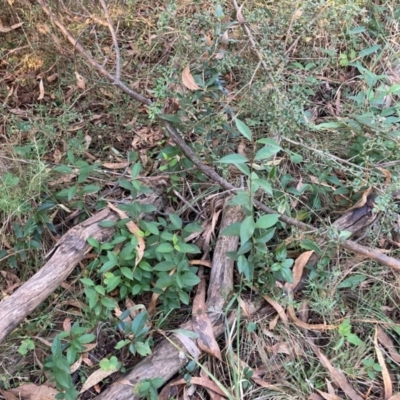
(68, 252)
(177, 138)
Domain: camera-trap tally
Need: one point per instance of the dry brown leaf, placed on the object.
(120, 165)
(388, 175)
(188, 80)
(41, 90)
(298, 268)
(88, 362)
(202, 324)
(67, 325)
(75, 366)
(44, 341)
(204, 382)
(52, 77)
(278, 308)
(35, 392)
(360, 203)
(8, 395)
(224, 46)
(314, 396)
(80, 81)
(386, 341)
(328, 396)
(273, 322)
(10, 278)
(4, 29)
(387, 382)
(204, 263)
(239, 15)
(337, 376)
(133, 228)
(189, 345)
(96, 377)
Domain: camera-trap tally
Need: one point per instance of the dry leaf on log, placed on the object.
(202, 324)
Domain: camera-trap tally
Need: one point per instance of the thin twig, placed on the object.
(177, 138)
(115, 41)
(89, 58)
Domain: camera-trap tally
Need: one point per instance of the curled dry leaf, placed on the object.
(7, 395)
(133, 228)
(239, 15)
(387, 382)
(31, 391)
(298, 269)
(96, 377)
(386, 341)
(41, 90)
(116, 165)
(328, 396)
(278, 308)
(362, 201)
(202, 323)
(188, 80)
(224, 46)
(80, 81)
(336, 375)
(67, 324)
(204, 382)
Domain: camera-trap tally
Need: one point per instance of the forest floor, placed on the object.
(294, 103)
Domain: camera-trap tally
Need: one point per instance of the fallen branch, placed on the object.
(65, 256)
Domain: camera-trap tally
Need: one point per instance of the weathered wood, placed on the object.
(221, 278)
(353, 221)
(65, 256)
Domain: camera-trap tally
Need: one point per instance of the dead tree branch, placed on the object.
(67, 253)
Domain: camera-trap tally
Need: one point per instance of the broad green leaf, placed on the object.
(345, 327)
(190, 279)
(233, 159)
(93, 242)
(352, 281)
(309, 244)
(87, 338)
(247, 229)
(243, 168)
(356, 30)
(139, 322)
(176, 221)
(232, 230)
(267, 221)
(266, 152)
(127, 272)
(243, 128)
(369, 50)
(136, 170)
(263, 184)
(164, 248)
(354, 339)
(108, 303)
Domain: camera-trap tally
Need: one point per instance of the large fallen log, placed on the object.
(65, 256)
(169, 356)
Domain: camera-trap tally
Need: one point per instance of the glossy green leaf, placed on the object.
(243, 128)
